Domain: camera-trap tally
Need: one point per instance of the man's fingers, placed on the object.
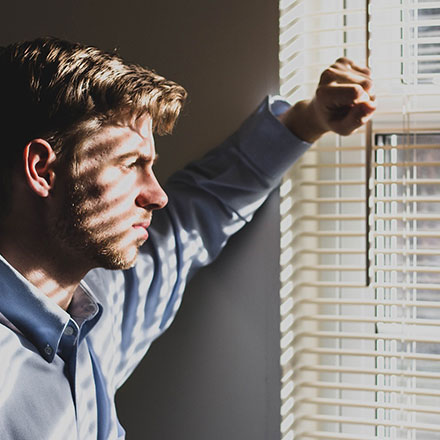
(340, 95)
(345, 71)
(354, 118)
(333, 76)
(352, 65)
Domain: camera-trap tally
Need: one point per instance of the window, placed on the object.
(360, 246)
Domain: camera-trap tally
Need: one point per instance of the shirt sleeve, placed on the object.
(209, 201)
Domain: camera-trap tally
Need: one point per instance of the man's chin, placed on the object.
(117, 260)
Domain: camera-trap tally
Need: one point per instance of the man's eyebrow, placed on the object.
(140, 156)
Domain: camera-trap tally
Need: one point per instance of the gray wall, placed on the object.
(215, 374)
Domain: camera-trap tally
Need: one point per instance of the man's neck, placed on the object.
(51, 273)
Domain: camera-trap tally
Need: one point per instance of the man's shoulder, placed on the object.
(15, 353)
(20, 358)
(31, 389)
(13, 342)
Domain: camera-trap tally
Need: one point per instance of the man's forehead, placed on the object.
(121, 137)
(143, 125)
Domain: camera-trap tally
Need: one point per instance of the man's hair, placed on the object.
(62, 91)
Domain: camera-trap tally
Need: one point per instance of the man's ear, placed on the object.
(38, 161)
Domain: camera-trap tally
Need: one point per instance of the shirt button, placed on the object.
(48, 350)
(69, 331)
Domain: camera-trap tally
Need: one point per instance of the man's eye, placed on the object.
(131, 164)
(136, 163)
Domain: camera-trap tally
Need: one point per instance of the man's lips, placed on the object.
(142, 228)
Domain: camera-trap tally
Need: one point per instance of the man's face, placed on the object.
(108, 197)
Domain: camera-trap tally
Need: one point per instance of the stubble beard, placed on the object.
(96, 246)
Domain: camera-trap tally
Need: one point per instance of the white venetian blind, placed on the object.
(360, 249)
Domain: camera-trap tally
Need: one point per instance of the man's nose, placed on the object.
(151, 196)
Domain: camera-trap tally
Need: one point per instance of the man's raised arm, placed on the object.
(343, 102)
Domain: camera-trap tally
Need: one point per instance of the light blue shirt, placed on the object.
(60, 370)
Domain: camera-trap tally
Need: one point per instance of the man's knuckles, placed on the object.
(340, 95)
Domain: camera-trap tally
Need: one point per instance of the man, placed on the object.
(85, 283)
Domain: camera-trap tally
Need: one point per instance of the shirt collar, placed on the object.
(36, 316)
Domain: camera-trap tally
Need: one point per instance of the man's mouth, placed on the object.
(141, 228)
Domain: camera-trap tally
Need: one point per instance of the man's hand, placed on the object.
(343, 102)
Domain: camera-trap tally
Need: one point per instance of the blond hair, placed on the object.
(54, 89)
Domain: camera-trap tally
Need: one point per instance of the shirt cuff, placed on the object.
(269, 145)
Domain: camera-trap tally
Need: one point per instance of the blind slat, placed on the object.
(404, 217)
(380, 7)
(363, 404)
(366, 336)
(346, 284)
(363, 319)
(339, 436)
(386, 268)
(332, 234)
(366, 371)
(372, 388)
(352, 420)
(344, 217)
(367, 302)
(366, 353)
(379, 181)
(408, 164)
(333, 200)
